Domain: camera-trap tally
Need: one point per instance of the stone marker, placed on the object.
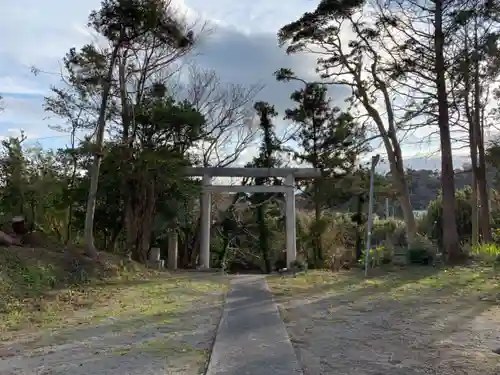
(172, 251)
(400, 258)
(154, 260)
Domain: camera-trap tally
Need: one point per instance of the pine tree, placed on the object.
(329, 139)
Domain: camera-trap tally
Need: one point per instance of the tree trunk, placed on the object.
(359, 222)
(148, 214)
(484, 207)
(472, 140)
(263, 237)
(318, 246)
(90, 249)
(474, 219)
(393, 149)
(407, 210)
(451, 245)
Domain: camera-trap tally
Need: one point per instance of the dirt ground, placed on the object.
(148, 323)
(416, 321)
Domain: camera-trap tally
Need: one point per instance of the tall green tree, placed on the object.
(474, 75)
(166, 131)
(356, 61)
(436, 60)
(122, 23)
(269, 157)
(329, 140)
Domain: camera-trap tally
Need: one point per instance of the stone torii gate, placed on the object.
(290, 175)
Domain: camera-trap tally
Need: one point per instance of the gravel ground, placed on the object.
(376, 333)
(164, 344)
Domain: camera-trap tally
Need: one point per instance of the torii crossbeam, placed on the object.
(290, 175)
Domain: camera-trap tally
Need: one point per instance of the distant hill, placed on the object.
(430, 163)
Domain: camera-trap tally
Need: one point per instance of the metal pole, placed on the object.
(375, 160)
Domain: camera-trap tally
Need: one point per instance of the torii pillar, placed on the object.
(291, 221)
(206, 222)
(290, 174)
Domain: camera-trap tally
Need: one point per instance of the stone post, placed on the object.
(206, 208)
(291, 230)
(154, 258)
(172, 251)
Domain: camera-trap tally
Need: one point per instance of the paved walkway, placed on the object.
(252, 339)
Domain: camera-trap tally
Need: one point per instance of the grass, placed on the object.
(412, 282)
(489, 252)
(42, 290)
(159, 348)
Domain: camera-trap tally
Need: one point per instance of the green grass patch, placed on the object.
(489, 252)
(42, 291)
(410, 282)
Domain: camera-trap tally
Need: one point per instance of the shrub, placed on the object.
(376, 256)
(389, 229)
(422, 251)
(299, 265)
(337, 232)
(432, 224)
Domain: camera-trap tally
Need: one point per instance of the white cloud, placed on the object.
(19, 85)
(252, 16)
(45, 31)
(31, 120)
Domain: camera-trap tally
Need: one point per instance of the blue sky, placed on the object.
(242, 49)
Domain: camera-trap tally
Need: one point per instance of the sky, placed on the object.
(242, 48)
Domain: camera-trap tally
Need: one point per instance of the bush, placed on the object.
(338, 232)
(376, 256)
(422, 251)
(299, 265)
(432, 222)
(392, 230)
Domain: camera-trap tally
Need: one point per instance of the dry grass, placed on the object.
(37, 296)
(419, 320)
(471, 281)
(52, 309)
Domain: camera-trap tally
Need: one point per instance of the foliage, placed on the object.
(433, 218)
(422, 251)
(269, 157)
(487, 252)
(156, 129)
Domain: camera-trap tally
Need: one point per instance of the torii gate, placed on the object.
(290, 175)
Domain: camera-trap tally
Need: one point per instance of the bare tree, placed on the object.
(228, 111)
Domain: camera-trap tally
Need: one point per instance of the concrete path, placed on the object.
(251, 338)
